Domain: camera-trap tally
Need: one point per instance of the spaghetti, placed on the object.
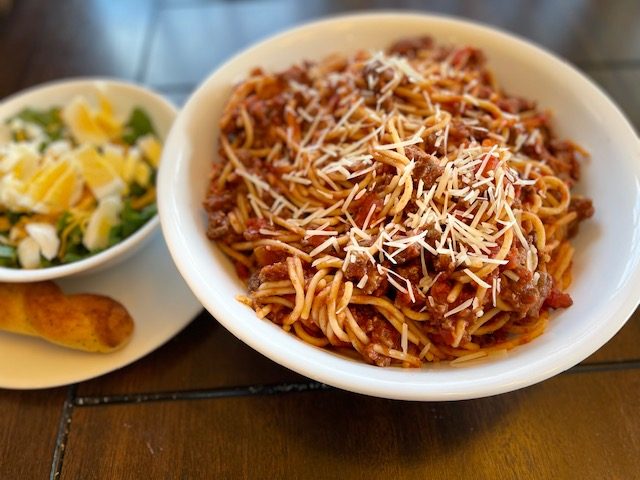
(397, 206)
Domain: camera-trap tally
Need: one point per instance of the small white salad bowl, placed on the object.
(606, 285)
(124, 97)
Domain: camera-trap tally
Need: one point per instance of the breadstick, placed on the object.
(92, 323)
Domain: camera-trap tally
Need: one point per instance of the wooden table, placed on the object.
(205, 405)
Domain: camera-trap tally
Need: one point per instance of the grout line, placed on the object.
(63, 433)
(605, 366)
(284, 388)
(231, 392)
(143, 62)
(280, 388)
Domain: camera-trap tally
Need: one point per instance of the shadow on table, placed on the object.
(339, 428)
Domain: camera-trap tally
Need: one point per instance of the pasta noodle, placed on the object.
(397, 204)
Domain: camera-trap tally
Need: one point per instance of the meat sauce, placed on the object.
(270, 109)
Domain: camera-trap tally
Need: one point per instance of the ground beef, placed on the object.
(379, 331)
(272, 87)
(266, 114)
(427, 166)
(409, 253)
(583, 208)
(216, 205)
(252, 232)
(274, 272)
(356, 269)
(558, 299)
(440, 288)
(482, 91)
(377, 283)
(527, 194)
(447, 332)
(268, 255)
(404, 299)
(468, 57)
(297, 74)
(515, 104)
(460, 132)
(309, 243)
(279, 313)
(409, 47)
(375, 79)
(516, 258)
(219, 202)
(361, 208)
(442, 263)
(254, 281)
(560, 156)
(411, 271)
(527, 297)
(438, 305)
(371, 356)
(218, 225)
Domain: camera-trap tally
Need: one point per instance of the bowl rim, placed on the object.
(328, 370)
(85, 265)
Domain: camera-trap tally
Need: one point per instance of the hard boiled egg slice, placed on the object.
(142, 174)
(151, 149)
(87, 127)
(46, 176)
(106, 119)
(64, 193)
(58, 148)
(131, 161)
(21, 160)
(46, 237)
(29, 253)
(99, 174)
(12, 195)
(134, 169)
(115, 156)
(102, 220)
(56, 186)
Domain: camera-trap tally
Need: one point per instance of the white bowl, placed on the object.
(124, 97)
(606, 276)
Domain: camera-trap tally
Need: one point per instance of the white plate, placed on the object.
(153, 292)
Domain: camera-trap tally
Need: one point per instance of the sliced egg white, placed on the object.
(12, 195)
(35, 133)
(21, 160)
(29, 253)
(102, 220)
(58, 148)
(131, 161)
(115, 155)
(46, 237)
(113, 149)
